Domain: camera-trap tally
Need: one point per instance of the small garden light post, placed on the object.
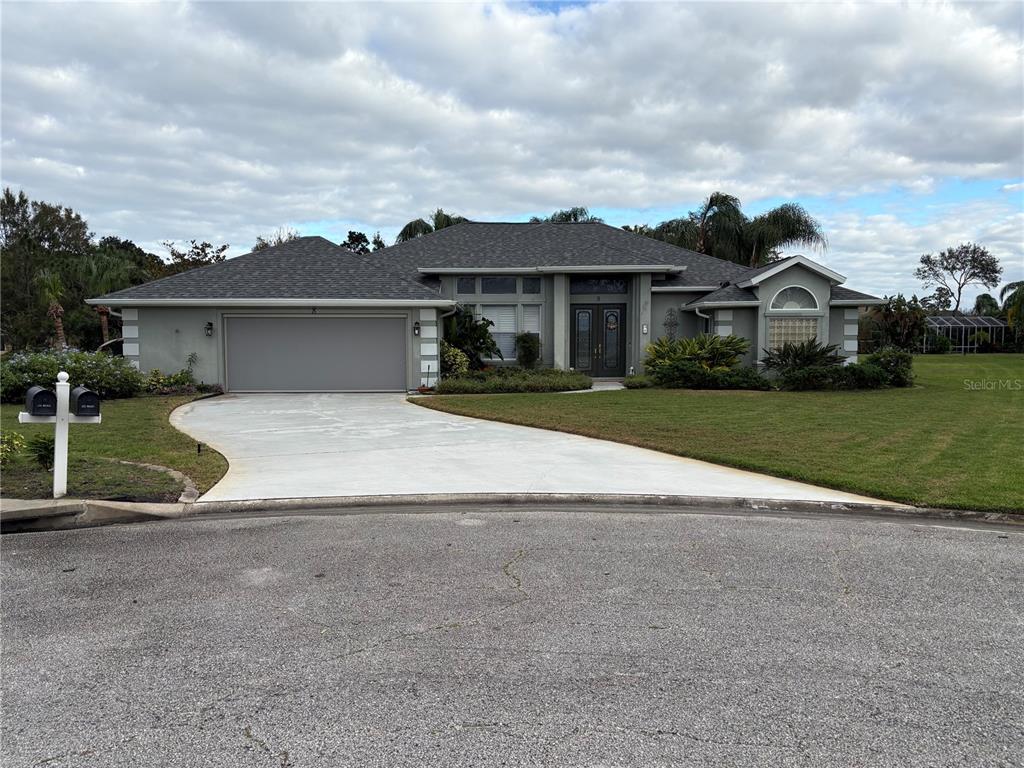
(62, 419)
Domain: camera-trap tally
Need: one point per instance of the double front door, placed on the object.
(598, 344)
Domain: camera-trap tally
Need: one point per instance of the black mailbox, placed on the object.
(41, 402)
(84, 402)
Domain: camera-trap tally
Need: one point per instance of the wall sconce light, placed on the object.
(416, 328)
(209, 329)
(643, 329)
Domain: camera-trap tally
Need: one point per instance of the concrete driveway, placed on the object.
(311, 445)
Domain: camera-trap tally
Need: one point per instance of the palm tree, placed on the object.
(103, 274)
(439, 219)
(1012, 296)
(51, 291)
(720, 228)
(986, 305)
(575, 215)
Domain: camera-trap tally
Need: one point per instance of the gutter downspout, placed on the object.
(706, 317)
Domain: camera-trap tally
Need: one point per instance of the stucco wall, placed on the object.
(739, 321)
(167, 335)
(843, 330)
(690, 324)
(819, 287)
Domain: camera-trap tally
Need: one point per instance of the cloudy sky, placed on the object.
(899, 126)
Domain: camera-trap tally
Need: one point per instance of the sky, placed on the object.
(899, 126)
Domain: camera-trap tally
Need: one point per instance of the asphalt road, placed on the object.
(516, 637)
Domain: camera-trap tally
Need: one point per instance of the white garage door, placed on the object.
(316, 354)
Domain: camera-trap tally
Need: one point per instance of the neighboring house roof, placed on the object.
(304, 268)
(728, 295)
(842, 295)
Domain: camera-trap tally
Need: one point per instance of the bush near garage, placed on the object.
(454, 362)
(106, 375)
(513, 379)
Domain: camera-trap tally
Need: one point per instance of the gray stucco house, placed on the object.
(312, 316)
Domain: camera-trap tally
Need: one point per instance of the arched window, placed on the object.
(794, 297)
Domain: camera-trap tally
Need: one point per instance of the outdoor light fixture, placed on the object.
(209, 329)
(416, 328)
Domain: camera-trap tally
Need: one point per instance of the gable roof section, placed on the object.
(755, 276)
(307, 268)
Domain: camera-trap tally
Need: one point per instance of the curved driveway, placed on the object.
(312, 445)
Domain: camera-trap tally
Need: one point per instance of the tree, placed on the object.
(103, 273)
(940, 301)
(439, 219)
(956, 268)
(51, 290)
(280, 236)
(986, 306)
(720, 228)
(198, 255)
(1012, 296)
(357, 242)
(575, 215)
(471, 335)
(897, 322)
(378, 242)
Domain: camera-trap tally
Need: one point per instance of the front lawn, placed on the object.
(946, 442)
(134, 429)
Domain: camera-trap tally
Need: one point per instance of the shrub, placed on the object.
(42, 448)
(528, 349)
(638, 381)
(105, 374)
(794, 356)
(11, 444)
(158, 383)
(497, 380)
(937, 344)
(859, 376)
(454, 362)
(687, 374)
(898, 365)
(709, 351)
(896, 322)
(982, 340)
(473, 336)
(808, 377)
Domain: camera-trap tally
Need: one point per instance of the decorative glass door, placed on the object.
(598, 343)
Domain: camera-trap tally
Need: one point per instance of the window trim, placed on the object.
(805, 289)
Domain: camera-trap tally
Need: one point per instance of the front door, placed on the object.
(598, 344)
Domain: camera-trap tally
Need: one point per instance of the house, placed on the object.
(309, 315)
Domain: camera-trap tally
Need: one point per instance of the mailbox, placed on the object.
(40, 402)
(84, 402)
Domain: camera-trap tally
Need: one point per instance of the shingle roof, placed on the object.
(839, 293)
(305, 268)
(480, 245)
(728, 294)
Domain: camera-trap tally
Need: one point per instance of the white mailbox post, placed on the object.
(60, 443)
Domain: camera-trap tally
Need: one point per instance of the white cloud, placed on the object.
(220, 121)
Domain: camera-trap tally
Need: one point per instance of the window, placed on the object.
(497, 285)
(466, 285)
(504, 328)
(782, 330)
(596, 285)
(794, 297)
(531, 318)
(531, 285)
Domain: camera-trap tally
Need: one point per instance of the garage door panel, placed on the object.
(316, 354)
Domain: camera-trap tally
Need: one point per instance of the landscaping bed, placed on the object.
(510, 379)
(952, 440)
(134, 429)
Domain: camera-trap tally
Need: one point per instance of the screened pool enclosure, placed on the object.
(962, 331)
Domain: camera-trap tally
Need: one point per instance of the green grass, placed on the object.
(135, 429)
(939, 443)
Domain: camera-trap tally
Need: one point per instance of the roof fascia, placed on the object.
(835, 277)
(548, 270)
(235, 302)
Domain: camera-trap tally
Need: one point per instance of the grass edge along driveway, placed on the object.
(135, 429)
(953, 440)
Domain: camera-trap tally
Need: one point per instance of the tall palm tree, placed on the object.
(103, 274)
(439, 219)
(986, 305)
(575, 215)
(51, 291)
(1012, 296)
(720, 228)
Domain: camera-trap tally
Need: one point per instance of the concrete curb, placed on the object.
(76, 513)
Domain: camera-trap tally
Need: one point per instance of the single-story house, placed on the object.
(309, 315)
